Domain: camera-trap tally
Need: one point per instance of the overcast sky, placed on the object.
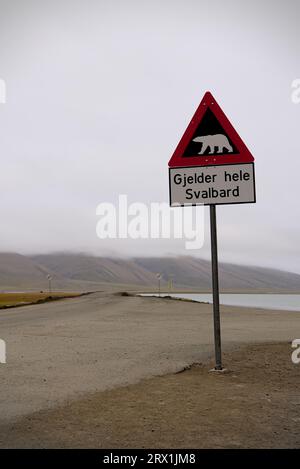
(99, 94)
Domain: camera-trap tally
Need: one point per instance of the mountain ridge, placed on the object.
(186, 271)
(87, 272)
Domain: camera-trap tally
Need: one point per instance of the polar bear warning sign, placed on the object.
(210, 139)
(211, 164)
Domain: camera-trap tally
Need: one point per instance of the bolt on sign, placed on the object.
(211, 164)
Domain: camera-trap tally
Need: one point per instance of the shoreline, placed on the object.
(265, 307)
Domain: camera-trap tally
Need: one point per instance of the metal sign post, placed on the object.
(215, 285)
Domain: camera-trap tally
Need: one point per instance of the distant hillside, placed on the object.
(187, 272)
(96, 269)
(194, 272)
(18, 272)
(84, 272)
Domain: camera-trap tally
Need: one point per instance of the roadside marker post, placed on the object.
(158, 276)
(49, 277)
(212, 166)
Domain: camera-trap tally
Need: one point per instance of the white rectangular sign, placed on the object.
(212, 185)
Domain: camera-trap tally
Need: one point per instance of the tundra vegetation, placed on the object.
(8, 300)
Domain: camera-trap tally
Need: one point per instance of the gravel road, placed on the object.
(60, 351)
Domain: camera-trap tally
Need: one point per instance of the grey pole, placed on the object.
(215, 285)
(158, 276)
(49, 280)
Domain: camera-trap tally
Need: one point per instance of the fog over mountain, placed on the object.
(88, 273)
(99, 95)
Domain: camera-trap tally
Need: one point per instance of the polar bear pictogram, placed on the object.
(211, 141)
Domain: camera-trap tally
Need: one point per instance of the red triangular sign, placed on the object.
(210, 139)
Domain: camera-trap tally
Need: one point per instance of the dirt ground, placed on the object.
(255, 404)
(65, 350)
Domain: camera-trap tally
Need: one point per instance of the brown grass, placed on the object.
(25, 298)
